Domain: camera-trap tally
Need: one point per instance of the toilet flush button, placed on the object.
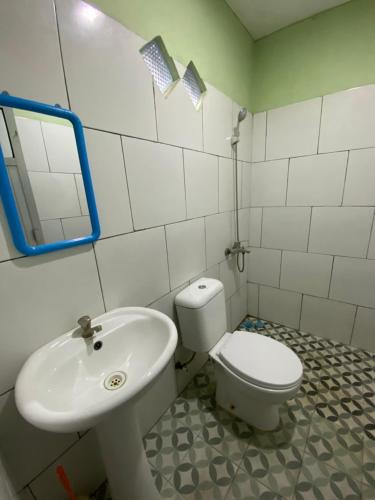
(202, 287)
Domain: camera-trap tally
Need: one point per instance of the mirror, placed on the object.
(50, 200)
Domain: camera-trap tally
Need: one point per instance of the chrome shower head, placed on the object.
(242, 115)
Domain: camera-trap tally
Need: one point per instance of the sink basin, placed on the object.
(71, 384)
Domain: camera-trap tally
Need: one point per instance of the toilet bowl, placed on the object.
(254, 373)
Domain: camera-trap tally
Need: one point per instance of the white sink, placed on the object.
(68, 385)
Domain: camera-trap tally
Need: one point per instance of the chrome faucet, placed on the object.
(88, 330)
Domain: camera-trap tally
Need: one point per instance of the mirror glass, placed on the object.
(43, 165)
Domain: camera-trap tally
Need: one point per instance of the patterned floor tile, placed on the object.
(228, 434)
(275, 458)
(166, 445)
(244, 487)
(367, 493)
(368, 477)
(318, 481)
(335, 445)
(323, 449)
(203, 473)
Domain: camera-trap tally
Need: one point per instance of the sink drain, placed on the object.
(115, 381)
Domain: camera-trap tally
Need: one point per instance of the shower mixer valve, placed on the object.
(236, 249)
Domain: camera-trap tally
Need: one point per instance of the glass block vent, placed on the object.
(160, 64)
(194, 85)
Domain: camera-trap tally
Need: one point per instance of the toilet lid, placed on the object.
(263, 361)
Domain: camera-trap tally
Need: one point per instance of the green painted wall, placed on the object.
(206, 31)
(332, 51)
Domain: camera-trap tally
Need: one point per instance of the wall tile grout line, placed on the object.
(370, 237)
(287, 184)
(309, 231)
(353, 327)
(99, 277)
(320, 125)
(155, 113)
(127, 183)
(167, 254)
(346, 174)
(61, 54)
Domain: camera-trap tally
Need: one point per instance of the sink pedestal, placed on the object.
(125, 461)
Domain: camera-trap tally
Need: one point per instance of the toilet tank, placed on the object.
(201, 314)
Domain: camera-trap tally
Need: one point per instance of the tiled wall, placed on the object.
(312, 192)
(163, 180)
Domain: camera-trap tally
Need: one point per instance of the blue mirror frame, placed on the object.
(6, 191)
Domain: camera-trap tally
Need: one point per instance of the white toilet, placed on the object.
(254, 374)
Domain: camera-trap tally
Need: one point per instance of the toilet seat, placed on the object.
(262, 361)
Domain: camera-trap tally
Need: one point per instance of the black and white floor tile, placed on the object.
(323, 449)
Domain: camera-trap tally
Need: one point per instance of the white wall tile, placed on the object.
(55, 195)
(360, 178)
(48, 310)
(238, 306)
(244, 223)
(327, 318)
(353, 281)
(53, 231)
(259, 136)
(217, 122)
(317, 180)
(76, 227)
(211, 272)
(156, 182)
(341, 230)
(230, 277)
(133, 268)
(110, 184)
(83, 466)
(218, 236)
(264, 266)
(306, 272)
(371, 249)
(253, 299)
(269, 183)
(245, 191)
(364, 329)
(166, 303)
(179, 123)
(255, 229)
(246, 126)
(348, 120)
(32, 143)
(30, 47)
(281, 306)
(103, 56)
(286, 228)
(186, 250)
(25, 449)
(226, 184)
(202, 183)
(61, 148)
(293, 130)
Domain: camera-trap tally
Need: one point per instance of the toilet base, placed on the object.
(259, 408)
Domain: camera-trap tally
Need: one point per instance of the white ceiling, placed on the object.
(262, 17)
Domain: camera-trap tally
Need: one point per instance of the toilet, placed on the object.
(254, 373)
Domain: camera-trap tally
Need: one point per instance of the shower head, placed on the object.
(242, 115)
